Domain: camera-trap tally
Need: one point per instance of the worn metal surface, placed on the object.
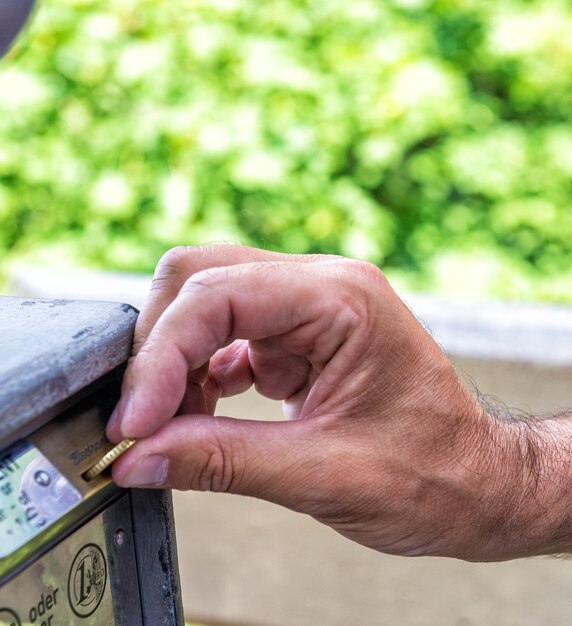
(156, 553)
(70, 443)
(133, 580)
(50, 350)
(124, 579)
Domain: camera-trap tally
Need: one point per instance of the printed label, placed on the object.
(33, 495)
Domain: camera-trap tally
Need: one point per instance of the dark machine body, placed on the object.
(74, 551)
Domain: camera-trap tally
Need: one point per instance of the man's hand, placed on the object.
(383, 442)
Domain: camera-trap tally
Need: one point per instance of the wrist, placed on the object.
(547, 497)
(533, 493)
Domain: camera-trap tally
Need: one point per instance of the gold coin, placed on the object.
(108, 459)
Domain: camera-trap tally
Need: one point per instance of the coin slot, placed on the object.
(107, 460)
(88, 479)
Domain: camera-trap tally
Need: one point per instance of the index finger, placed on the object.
(248, 301)
(180, 263)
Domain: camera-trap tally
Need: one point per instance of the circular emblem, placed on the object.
(87, 579)
(7, 616)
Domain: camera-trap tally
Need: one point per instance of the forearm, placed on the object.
(534, 462)
(548, 454)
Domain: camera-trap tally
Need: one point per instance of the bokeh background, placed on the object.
(432, 137)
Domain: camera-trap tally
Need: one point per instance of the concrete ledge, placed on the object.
(79, 284)
(515, 333)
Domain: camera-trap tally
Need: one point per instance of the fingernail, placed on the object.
(150, 471)
(120, 410)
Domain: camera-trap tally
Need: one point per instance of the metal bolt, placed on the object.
(120, 537)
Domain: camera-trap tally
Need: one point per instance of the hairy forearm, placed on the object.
(535, 460)
(548, 454)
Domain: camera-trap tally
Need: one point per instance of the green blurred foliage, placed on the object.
(432, 137)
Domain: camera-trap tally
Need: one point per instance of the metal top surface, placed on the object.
(52, 349)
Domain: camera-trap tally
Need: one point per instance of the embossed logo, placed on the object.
(87, 579)
(7, 616)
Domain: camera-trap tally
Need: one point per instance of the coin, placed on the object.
(108, 459)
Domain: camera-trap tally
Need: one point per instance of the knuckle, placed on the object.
(141, 350)
(365, 280)
(358, 293)
(215, 315)
(139, 340)
(217, 469)
(368, 271)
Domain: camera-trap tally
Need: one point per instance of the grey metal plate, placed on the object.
(50, 350)
(89, 578)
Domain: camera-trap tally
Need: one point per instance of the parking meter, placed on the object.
(72, 550)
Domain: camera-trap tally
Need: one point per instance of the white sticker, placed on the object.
(33, 495)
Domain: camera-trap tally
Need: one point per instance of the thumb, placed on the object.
(267, 460)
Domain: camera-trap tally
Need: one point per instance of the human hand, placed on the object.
(383, 441)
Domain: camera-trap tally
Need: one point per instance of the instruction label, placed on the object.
(33, 495)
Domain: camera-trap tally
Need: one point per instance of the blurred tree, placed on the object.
(432, 137)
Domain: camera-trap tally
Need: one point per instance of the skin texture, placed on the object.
(381, 441)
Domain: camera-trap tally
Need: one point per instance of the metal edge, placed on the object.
(26, 429)
(156, 554)
(122, 562)
(70, 376)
